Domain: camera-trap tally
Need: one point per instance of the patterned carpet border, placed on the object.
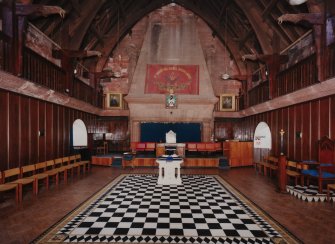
(310, 193)
(269, 226)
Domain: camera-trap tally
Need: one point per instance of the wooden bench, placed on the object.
(269, 163)
(293, 170)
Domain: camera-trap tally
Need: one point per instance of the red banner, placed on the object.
(183, 79)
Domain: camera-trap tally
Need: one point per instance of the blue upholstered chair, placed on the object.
(323, 172)
(128, 159)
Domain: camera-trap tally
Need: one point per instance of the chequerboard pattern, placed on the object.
(137, 210)
(309, 193)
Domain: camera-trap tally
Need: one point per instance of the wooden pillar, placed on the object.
(282, 174)
(135, 131)
(206, 131)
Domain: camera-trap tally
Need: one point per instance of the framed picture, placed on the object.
(227, 102)
(114, 100)
(98, 136)
(171, 101)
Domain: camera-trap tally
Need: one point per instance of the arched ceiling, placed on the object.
(245, 27)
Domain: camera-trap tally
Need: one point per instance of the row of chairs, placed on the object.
(32, 174)
(270, 164)
(299, 171)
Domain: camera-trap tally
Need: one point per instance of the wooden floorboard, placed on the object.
(310, 222)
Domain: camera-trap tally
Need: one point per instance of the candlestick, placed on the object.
(282, 132)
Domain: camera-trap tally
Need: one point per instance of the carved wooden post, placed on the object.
(282, 173)
(282, 165)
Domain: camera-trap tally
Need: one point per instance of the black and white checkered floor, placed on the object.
(137, 210)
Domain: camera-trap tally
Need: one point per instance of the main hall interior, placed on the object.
(94, 90)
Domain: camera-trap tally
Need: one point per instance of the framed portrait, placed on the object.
(171, 101)
(114, 100)
(227, 102)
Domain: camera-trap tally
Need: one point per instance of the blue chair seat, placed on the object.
(315, 173)
(128, 157)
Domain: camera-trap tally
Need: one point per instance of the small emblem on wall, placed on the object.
(171, 101)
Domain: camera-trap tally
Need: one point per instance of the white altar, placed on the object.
(169, 170)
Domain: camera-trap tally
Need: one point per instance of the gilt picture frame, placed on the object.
(114, 100)
(227, 102)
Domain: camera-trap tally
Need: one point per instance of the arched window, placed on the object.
(262, 141)
(79, 134)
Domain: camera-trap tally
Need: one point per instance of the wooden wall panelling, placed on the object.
(25, 130)
(306, 128)
(42, 132)
(332, 118)
(67, 126)
(298, 128)
(280, 125)
(324, 117)
(315, 125)
(314, 119)
(49, 131)
(34, 120)
(14, 130)
(61, 137)
(70, 123)
(275, 124)
(55, 131)
(269, 121)
(4, 130)
(290, 133)
(285, 126)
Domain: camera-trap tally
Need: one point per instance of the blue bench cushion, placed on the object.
(315, 173)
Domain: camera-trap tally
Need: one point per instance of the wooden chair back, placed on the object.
(72, 159)
(15, 172)
(50, 164)
(78, 157)
(58, 162)
(40, 167)
(28, 170)
(273, 159)
(66, 160)
(302, 166)
(291, 164)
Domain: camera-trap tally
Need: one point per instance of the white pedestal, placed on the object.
(169, 172)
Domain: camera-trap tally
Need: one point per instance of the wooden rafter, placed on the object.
(269, 8)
